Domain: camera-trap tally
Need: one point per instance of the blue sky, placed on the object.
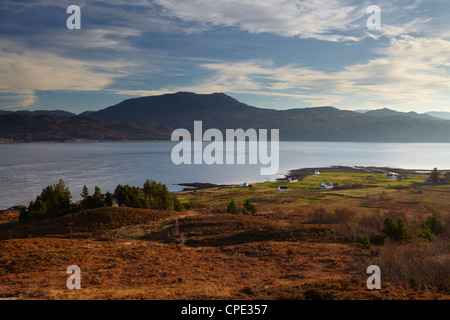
(270, 54)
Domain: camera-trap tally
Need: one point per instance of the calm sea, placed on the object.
(25, 169)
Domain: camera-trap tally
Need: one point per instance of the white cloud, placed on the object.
(25, 71)
(307, 18)
(411, 70)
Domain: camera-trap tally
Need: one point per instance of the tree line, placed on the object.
(56, 200)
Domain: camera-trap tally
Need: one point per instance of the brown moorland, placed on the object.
(302, 244)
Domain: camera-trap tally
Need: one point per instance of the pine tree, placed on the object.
(96, 200)
(435, 176)
(108, 199)
(177, 205)
(85, 193)
(403, 233)
(166, 198)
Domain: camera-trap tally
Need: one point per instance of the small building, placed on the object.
(391, 175)
(243, 185)
(283, 188)
(316, 172)
(326, 185)
(292, 180)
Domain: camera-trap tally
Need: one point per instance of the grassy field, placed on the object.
(302, 244)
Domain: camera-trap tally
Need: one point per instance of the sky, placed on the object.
(277, 54)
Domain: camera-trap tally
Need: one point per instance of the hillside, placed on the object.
(54, 128)
(440, 114)
(58, 113)
(220, 111)
(155, 117)
(388, 112)
(302, 244)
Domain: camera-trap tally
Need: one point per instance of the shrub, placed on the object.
(249, 208)
(322, 216)
(396, 231)
(434, 223)
(430, 227)
(426, 234)
(231, 207)
(420, 266)
(365, 242)
(177, 205)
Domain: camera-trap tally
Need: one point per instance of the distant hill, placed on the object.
(388, 112)
(54, 128)
(58, 113)
(220, 111)
(86, 113)
(155, 117)
(439, 114)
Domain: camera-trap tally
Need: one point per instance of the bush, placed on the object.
(432, 226)
(322, 216)
(396, 231)
(249, 208)
(426, 234)
(419, 266)
(365, 242)
(434, 223)
(231, 207)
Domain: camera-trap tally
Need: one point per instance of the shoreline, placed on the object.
(358, 169)
(296, 173)
(302, 172)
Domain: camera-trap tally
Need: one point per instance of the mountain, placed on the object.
(58, 113)
(388, 112)
(56, 128)
(155, 117)
(220, 111)
(439, 114)
(179, 110)
(86, 113)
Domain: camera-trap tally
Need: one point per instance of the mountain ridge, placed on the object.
(154, 117)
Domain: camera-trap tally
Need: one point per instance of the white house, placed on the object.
(291, 180)
(283, 188)
(326, 185)
(316, 172)
(243, 185)
(391, 175)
